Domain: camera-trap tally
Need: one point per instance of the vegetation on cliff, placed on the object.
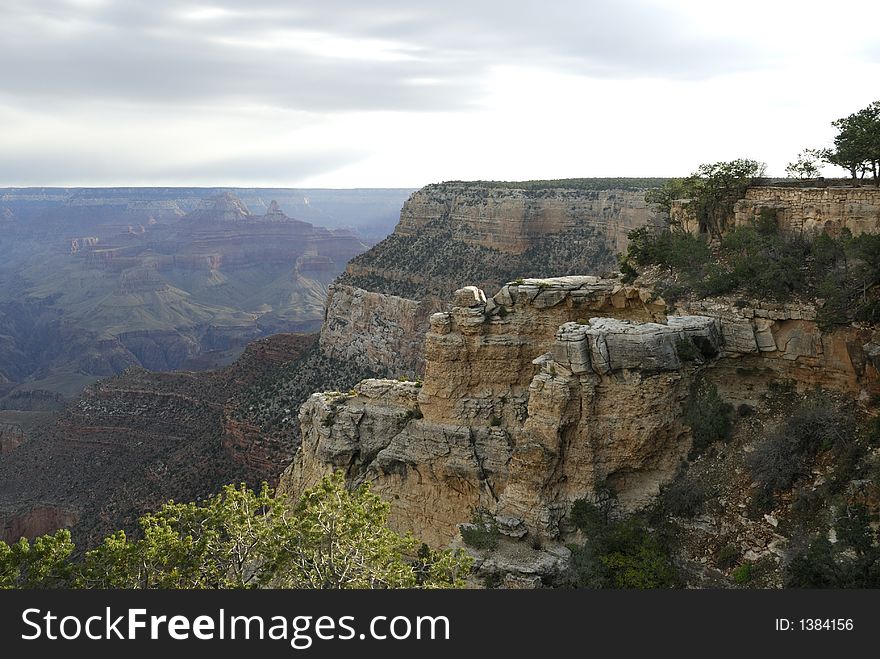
(329, 538)
(857, 143)
(790, 498)
(435, 263)
(621, 553)
(272, 403)
(757, 260)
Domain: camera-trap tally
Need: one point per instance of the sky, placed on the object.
(402, 93)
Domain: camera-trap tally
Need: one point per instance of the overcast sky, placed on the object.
(401, 93)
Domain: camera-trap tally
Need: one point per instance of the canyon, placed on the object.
(130, 436)
(484, 361)
(130, 442)
(93, 281)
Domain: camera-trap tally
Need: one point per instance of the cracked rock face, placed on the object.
(492, 429)
(552, 389)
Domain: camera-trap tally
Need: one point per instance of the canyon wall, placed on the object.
(384, 333)
(511, 220)
(556, 389)
(814, 209)
(487, 234)
(129, 443)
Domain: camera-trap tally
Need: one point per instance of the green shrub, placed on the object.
(482, 532)
(586, 516)
(673, 249)
(492, 580)
(853, 528)
(760, 503)
(683, 497)
(494, 421)
(743, 574)
(727, 557)
(814, 568)
(623, 554)
(627, 270)
(767, 222)
(823, 565)
(708, 416)
(774, 464)
(816, 424)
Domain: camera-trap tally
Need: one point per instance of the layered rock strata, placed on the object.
(475, 231)
(553, 390)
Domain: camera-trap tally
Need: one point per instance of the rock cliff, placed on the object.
(553, 390)
(480, 232)
(813, 210)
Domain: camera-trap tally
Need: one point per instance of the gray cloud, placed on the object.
(82, 168)
(146, 52)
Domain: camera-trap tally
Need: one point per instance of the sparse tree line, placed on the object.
(856, 148)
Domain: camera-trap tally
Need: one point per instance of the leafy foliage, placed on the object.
(714, 189)
(857, 143)
(758, 261)
(683, 497)
(743, 574)
(619, 553)
(41, 564)
(330, 538)
(808, 164)
(853, 562)
(482, 532)
(662, 197)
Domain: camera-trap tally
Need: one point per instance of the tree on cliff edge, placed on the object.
(712, 191)
(857, 143)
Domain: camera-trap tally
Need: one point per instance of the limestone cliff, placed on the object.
(481, 232)
(814, 209)
(511, 220)
(384, 333)
(800, 210)
(552, 390)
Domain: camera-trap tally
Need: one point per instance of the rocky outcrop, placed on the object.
(765, 342)
(511, 220)
(553, 390)
(11, 437)
(39, 520)
(813, 210)
(799, 210)
(480, 232)
(469, 436)
(384, 333)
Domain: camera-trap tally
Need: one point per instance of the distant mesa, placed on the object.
(224, 207)
(274, 212)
